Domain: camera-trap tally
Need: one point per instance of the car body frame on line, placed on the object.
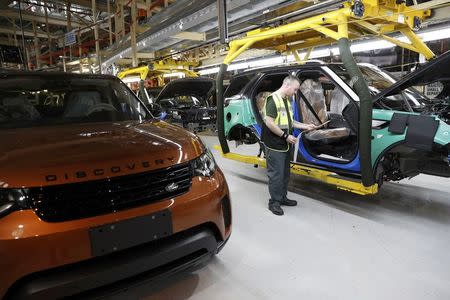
(187, 102)
(408, 138)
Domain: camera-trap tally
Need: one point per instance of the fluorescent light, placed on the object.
(238, 66)
(433, 35)
(130, 79)
(266, 62)
(174, 74)
(209, 71)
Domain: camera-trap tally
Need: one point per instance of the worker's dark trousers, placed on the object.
(278, 171)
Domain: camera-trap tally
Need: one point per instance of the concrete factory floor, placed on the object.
(334, 245)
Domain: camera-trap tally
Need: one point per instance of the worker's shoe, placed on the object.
(288, 202)
(276, 209)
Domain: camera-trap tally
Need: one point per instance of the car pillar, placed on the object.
(220, 109)
(365, 102)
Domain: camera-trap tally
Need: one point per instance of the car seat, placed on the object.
(338, 101)
(79, 102)
(314, 94)
(261, 100)
(19, 107)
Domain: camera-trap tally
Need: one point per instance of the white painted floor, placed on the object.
(334, 245)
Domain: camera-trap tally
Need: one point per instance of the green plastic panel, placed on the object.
(238, 112)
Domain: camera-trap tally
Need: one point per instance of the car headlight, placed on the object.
(12, 199)
(205, 165)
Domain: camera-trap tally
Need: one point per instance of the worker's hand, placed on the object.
(309, 127)
(291, 139)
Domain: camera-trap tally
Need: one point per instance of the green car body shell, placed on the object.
(239, 112)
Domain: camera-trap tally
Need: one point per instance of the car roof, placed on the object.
(278, 68)
(62, 75)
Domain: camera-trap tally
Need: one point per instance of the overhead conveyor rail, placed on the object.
(355, 20)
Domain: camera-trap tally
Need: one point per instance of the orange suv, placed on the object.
(94, 190)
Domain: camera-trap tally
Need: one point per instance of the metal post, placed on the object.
(36, 45)
(220, 109)
(80, 51)
(48, 34)
(24, 51)
(133, 33)
(27, 57)
(109, 22)
(15, 34)
(116, 21)
(223, 23)
(64, 63)
(121, 20)
(148, 3)
(69, 26)
(97, 42)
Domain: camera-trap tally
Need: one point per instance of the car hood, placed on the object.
(198, 87)
(436, 69)
(31, 157)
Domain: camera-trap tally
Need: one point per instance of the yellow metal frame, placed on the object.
(381, 17)
(321, 175)
(159, 69)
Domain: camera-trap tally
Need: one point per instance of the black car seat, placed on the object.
(79, 102)
(19, 107)
(314, 94)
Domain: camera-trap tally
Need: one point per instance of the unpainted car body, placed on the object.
(408, 137)
(187, 103)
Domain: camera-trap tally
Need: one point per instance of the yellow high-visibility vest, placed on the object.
(282, 119)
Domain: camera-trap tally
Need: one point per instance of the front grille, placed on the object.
(86, 199)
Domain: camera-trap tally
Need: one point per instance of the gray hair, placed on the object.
(288, 80)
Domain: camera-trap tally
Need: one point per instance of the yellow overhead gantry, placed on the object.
(355, 20)
(157, 70)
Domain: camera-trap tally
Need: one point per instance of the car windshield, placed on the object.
(180, 102)
(378, 80)
(29, 101)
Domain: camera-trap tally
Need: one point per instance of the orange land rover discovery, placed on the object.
(94, 190)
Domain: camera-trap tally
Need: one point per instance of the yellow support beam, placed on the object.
(331, 178)
(236, 51)
(297, 57)
(159, 68)
(418, 43)
(325, 31)
(380, 17)
(140, 71)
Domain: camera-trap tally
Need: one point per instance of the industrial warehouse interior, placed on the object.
(201, 149)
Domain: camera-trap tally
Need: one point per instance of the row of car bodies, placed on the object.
(408, 138)
(187, 102)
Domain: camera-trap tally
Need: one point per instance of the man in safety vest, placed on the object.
(278, 140)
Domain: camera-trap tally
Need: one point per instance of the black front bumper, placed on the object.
(175, 253)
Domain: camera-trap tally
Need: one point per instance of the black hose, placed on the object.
(220, 109)
(365, 111)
